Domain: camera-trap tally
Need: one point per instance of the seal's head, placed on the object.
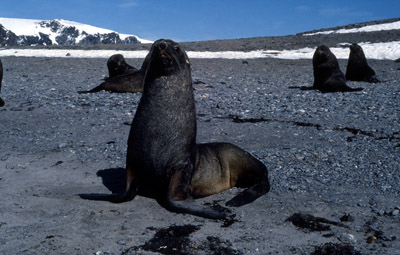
(356, 50)
(355, 47)
(117, 65)
(322, 54)
(167, 58)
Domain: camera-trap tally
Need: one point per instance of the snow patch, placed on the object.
(387, 50)
(370, 28)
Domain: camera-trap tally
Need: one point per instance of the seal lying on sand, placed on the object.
(129, 81)
(1, 79)
(221, 166)
(357, 66)
(117, 65)
(162, 151)
(327, 74)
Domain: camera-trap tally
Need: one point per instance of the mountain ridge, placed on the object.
(31, 32)
(287, 42)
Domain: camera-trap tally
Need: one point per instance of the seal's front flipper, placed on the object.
(308, 88)
(94, 90)
(114, 198)
(131, 190)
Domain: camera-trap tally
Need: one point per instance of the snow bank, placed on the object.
(388, 50)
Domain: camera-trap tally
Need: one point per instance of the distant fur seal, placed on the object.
(122, 77)
(1, 79)
(117, 65)
(357, 66)
(162, 151)
(327, 74)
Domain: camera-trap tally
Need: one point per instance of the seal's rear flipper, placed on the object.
(1, 102)
(178, 200)
(250, 194)
(190, 207)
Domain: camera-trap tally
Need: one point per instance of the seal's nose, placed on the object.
(162, 45)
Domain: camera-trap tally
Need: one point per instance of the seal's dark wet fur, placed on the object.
(162, 151)
(357, 66)
(1, 79)
(117, 65)
(327, 74)
(123, 78)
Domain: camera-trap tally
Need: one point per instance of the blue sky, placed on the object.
(189, 20)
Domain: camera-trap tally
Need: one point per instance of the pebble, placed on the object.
(62, 145)
(347, 238)
(4, 158)
(122, 242)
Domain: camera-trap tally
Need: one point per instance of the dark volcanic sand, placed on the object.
(328, 155)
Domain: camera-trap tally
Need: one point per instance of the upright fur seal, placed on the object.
(162, 151)
(327, 74)
(1, 79)
(357, 66)
(117, 65)
(123, 79)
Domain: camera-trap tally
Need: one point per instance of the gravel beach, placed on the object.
(334, 156)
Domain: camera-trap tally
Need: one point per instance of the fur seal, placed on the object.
(1, 79)
(162, 151)
(357, 66)
(117, 65)
(327, 74)
(221, 166)
(122, 78)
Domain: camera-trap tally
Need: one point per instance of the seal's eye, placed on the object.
(177, 48)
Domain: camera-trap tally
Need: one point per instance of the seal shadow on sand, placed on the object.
(114, 179)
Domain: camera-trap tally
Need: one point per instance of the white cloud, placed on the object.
(303, 8)
(127, 4)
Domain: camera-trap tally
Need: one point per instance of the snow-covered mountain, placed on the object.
(58, 32)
